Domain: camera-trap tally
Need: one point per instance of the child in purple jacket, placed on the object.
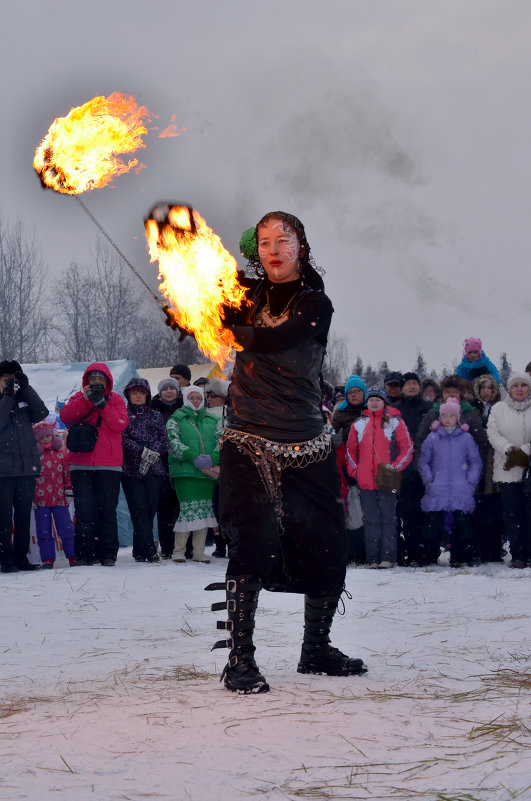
(450, 467)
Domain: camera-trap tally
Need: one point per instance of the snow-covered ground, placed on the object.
(110, 690)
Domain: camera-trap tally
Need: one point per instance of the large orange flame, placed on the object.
(80, 151)
(198, 276)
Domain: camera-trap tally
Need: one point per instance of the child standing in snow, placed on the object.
(50, 496)
(475, 362)
(378, 436)
(450, 467)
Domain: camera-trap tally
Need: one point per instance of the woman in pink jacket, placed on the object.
(96, 475)
(379, 435)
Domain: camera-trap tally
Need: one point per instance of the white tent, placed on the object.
(58, 381)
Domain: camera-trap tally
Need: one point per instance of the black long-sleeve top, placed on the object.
(275, 390)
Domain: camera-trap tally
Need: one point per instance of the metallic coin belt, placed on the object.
(270, 458)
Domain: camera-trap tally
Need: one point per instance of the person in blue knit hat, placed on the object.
(348, 410)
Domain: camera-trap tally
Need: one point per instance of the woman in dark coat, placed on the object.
(20, 464)
(280, 501)
(167, 401)
(145, 443)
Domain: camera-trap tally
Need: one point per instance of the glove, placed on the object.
(173, 324)
(147, 459)
(69, 496)
(203, 461)
(336, 437)
(9, 389)
(95, 394)
(21, 379)
(515, 458)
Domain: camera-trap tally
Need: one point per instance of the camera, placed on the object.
(96, 392)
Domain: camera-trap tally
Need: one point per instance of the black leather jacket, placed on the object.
(18, 447)
(275, 390)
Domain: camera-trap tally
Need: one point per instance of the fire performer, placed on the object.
(280, 499)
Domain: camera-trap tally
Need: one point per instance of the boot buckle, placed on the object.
(232, 585)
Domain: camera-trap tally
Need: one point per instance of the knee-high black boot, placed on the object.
(317, 655)
(241, 672)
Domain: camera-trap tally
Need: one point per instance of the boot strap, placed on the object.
(231, 605)
(217, 585)
(222, 644)
(228, 625)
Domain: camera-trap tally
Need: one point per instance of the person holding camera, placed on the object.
(20, 464)
(95, 417)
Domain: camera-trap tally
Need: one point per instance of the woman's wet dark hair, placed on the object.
(308, 269)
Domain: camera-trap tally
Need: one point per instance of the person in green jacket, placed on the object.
(194, 470)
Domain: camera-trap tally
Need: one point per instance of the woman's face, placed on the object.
(355, 396)
(374, 404)
(519, 391)
(3, 380)
(137, 397)
(214, 400)
(169, 394)
(451, 392)
(278, 250)
(486, 392)
(195, 399)
(430, 393)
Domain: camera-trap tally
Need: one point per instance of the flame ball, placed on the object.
(80, 151)
(199, 276)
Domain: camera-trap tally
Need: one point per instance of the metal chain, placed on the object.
(117, 249)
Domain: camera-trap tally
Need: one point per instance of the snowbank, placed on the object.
(111, 690)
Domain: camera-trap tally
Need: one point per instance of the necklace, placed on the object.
(266, 318)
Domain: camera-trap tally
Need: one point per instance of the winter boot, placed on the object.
(241, 673)
(199, 540)
(181, 538)
(317, 655)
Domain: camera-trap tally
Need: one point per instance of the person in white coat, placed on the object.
(509, 433)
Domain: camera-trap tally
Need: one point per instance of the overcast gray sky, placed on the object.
(399, 131)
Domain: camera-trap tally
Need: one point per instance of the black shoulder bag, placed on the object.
(82, 437)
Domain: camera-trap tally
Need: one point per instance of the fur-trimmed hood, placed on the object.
(487, 378)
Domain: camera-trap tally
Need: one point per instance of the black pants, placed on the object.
(488, 523)
(516, 508)
(463, 541)
(308, 554)
(16, 497)
(167, 514)
(142, 496)
(412, 516)
(96, 495)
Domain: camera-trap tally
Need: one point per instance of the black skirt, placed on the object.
(307, 553)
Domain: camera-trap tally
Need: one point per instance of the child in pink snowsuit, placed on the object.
(50, 496)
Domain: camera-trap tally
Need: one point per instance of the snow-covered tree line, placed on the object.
(94, 311)
(337, 366)
(98, 311)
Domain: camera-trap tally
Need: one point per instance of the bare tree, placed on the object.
(336, 359)
(24, 327)
(75, 328)
(156, 345)
(116, 305)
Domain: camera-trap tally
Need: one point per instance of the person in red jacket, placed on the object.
(378, 436)
(96, 475)
(50, 496)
